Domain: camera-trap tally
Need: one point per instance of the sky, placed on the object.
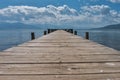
(65, 13)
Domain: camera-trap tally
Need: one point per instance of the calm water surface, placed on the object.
(10, 38)
(110, 38)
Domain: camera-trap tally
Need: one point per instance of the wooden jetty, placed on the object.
(60, 56)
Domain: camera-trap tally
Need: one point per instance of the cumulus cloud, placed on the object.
(28, 14)
(115, 1)
(97, 9)
(88, 16)
(101, 13)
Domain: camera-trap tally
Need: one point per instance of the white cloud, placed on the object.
(88, 16)
(115, 1)
(40, 15)
(102, 14)
(102, 9)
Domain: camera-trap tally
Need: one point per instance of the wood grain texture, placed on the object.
(60, 56)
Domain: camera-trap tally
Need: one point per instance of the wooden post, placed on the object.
(45, 32)
(48, 31)
(75, 32)
(72, 31)
(87, 35)
(32, 36)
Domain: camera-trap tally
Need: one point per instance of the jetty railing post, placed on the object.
(32, 35)
(45, 32)
(75, 32)
(72, 31)
(87, 35)
(49, 31)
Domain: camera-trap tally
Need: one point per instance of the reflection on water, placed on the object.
(9, 38)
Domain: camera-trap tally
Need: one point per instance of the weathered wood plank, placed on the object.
(81, 68)
(70, 53)
(40, 44)
(62, 77)
(61, 49)
(53, 57)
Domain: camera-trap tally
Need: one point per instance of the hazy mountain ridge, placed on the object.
(17, 26)
(13, 26)
(114, 26)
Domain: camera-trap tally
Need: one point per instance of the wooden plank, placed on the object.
(61, 49)
(62, 41)
(62, 77)
(40, 44)
(63, 69)
(69, 53)
(60, 57)
(57, 44)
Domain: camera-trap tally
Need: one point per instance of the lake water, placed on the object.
(10, 38)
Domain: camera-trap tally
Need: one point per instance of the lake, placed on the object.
(10, 38)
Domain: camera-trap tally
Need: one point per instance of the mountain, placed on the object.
(13, 26)
(17, 26)
(114, 26)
